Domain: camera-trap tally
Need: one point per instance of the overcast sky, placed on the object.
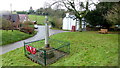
(21, 5)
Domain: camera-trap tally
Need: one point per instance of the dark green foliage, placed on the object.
(96, 17)
(113, 14)
(31, 11)
(21, 12)
(39, 11)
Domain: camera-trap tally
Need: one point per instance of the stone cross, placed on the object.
(46, 32)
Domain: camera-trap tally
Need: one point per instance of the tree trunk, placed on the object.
(76, 25)
(80, 24)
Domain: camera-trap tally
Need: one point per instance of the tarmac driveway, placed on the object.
(39, 36)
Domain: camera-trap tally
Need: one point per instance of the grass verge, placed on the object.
(11, 37)
(87, 49)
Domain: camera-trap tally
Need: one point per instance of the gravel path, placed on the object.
(40, 35)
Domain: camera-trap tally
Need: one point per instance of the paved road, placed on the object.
(40, 35)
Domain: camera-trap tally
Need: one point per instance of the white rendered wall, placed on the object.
(65, 25)
(69, 22)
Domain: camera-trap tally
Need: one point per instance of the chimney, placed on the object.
(67, 14)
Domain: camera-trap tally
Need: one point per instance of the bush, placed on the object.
(28, 30)
(27, 27)
(56, 22)
(6, 24)
(28, 23)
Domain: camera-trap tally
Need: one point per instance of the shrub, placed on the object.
(6, 24)
(28, 23)
(27, 27)
(28, 30)
(56, 22)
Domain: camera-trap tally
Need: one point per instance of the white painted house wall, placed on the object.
(69, 21)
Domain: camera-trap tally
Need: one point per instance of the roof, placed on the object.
(73, 17)
(14, 17)
(6, 17)
(11, 17)
(23, 17)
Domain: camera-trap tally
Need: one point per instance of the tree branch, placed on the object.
(73, 6)
(67, 6)
(54, 3)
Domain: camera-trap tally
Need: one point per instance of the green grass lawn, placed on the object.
(10, 37)
(40, 19)
(87, 49)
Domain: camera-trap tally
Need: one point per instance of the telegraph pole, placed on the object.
(11, 7)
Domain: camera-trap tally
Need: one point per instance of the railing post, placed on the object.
(24, 49)
(45, 57)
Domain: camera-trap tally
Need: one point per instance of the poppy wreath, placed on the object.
(27, 48)
(31, 49)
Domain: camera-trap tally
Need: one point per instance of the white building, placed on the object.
(70, 20)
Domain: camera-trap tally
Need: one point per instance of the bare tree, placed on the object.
(77, 7)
